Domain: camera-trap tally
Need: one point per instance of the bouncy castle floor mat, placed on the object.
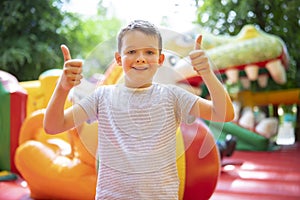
(268, 175)
(14, 190)
(246, 175)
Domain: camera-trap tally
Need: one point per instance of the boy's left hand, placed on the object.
(198, 58)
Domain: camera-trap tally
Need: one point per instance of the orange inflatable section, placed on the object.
(55, 167)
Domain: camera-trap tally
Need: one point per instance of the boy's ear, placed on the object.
(118, 58)
(161, 59)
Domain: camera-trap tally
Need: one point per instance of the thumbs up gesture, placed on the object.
(72, 70)
(198, 58)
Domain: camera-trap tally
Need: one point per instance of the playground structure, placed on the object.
(52, 165)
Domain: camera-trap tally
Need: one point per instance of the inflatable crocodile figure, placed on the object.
(251, 53)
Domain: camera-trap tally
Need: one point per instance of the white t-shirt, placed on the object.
(137, 139)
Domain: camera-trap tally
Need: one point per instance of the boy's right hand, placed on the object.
(72, 70)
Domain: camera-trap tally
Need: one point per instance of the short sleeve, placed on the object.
(89, 105)
(184, 103)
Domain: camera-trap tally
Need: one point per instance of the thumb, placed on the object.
(198, 42)
(66, 52)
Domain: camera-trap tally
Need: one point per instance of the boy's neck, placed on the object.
(138, 86)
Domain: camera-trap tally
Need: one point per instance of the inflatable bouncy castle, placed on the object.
(64, 166)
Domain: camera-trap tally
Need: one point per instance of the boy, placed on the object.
(137, 120)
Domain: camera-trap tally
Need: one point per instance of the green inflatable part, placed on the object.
(264, 47)
(246, 139)
(7, 176)
(4, 128)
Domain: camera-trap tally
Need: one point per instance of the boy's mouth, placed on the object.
(140, 68)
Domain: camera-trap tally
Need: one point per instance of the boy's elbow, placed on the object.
(49, 129)
(226, 116)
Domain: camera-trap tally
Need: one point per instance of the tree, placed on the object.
(278, 17)
(29, 38)
(31, 32)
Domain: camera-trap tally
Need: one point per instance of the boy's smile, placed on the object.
(140, 57)
(140, 68)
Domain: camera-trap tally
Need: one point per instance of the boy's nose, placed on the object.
(140, 59)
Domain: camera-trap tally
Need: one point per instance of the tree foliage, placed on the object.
(28, 37)
(278, 17)
(31, 32)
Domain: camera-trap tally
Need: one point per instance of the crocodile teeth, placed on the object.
(252, 72)
(245, 82)
(232, 75)
(276, 70)
(263, 80)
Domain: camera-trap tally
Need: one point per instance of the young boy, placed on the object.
(137, 120)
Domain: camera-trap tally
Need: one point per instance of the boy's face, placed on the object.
(139, 58)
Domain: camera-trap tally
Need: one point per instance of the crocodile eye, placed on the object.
(173, 60)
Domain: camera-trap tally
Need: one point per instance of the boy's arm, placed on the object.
(57, 119)
(220, 107)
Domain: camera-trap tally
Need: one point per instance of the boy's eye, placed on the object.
(131, 51)
(150, 52)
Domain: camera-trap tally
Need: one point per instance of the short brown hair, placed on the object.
(143, 26)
